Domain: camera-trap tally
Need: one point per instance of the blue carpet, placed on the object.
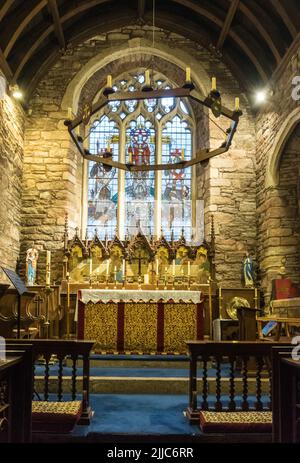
(142, 414)
(141, 372)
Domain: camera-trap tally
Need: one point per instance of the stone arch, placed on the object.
(134, 46)
(272, 172)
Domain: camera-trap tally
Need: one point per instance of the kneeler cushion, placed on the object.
(55, 417)
(239, 422)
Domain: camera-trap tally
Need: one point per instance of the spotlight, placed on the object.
(16, 92)
(260, 96)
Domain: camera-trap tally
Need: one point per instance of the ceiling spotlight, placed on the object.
(16, 92)
(260, 96)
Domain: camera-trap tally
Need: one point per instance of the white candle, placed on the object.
(123, 268)
(146, 279)
(48, 266)
(156, 266)
(107, 267)
(189, 268)
(173, 267)
(91, 265)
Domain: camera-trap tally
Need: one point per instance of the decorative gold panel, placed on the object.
(140, 327)
(100, 324)
(180, 326)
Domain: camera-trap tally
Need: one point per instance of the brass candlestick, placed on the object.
(48, 291)
(165, 282)
(68, 308)
(157, 280)
(139, 282)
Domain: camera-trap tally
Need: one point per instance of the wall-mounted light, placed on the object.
(16, 92)
(260, 96)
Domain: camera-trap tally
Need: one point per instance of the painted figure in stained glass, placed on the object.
(140, 185)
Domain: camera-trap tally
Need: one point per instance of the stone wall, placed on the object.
(11, 156)
(277, 214)
(53, 170)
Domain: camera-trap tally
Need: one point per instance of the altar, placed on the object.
(140, 321)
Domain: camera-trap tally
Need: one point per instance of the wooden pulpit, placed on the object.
(247, 323)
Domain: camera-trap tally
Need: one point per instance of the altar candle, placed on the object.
(91, 265)
(146, 279)
(147, 77)
(213, 84)
(188, 74)
(109, 81)
(123, 268)
(237, 104)
(173, 267)
(48, 263)
(107, 267)
(156, 266)
(189, 268)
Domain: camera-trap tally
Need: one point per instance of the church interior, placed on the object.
(150, 221)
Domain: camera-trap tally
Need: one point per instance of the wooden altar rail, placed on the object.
(246, 359)
(286, 395)
(46, 349)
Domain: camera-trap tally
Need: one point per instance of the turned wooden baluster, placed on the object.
(74, 358)
(46, 376)
(60, 376)
(218, 403)
(259, 364)
(193, 383)
(232, 404)
(245, 404)
(204, 405)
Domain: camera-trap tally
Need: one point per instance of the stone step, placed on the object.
(149, 385)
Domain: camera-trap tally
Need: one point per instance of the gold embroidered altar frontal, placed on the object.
(101, 323)
(140, 327)
(180, 324)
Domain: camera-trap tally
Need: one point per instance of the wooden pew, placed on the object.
(43, 351)
(286, 395)
(16, 388)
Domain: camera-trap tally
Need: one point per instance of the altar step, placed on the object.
(143, 379)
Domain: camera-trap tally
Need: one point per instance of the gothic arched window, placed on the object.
(141, 132)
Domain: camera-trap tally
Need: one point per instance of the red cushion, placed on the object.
(55, 417)
(236, 422)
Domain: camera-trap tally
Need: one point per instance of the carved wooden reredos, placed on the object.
(136, 256)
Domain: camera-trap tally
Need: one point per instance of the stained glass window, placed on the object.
(130, 130)
(102, 181)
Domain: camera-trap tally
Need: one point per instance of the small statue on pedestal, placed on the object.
(32, 256)
(248, 271)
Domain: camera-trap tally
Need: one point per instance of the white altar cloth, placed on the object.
(131, 295)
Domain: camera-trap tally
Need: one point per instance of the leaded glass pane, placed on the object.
(103, 181)
(176, 183)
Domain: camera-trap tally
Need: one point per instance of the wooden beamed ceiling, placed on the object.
(253, 37)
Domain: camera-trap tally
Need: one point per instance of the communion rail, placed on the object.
(248, 363)
(48, 351)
